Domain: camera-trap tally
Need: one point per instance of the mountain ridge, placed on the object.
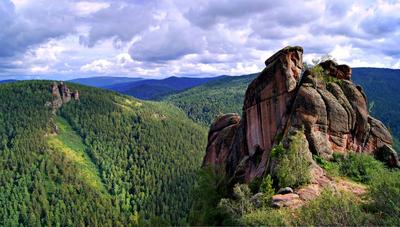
(152, 89)
(103, 81)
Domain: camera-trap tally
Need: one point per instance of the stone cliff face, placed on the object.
(323, 101)
(61, 95)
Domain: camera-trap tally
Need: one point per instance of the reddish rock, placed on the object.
(309, 192)
(345, 72)
(266, 103)
(342, 72)
(219, 145)
(224, 121)
(333, 114)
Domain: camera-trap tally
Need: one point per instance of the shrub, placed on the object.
(332, 209)
(265, 217)
(277, 151)
(384, 191)
(384, 185)
(293, 165)
(242, 209)
(238, 206)
(322, 76)
(332, 168)
(241, 203)
(267, 189)
(359, 167)
(254, 185)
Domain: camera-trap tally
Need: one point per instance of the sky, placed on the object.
(65, 39)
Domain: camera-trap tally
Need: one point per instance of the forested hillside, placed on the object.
(203, 103)
(114, 161)
(381, 87)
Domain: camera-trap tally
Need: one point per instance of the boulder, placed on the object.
(388, 155)
(285, 190)
(224, 121)
(342, 72)
(287, 200)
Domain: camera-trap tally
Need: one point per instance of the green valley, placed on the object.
(203, 103)
(112, 159)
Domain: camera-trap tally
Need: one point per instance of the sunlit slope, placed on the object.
(70, 145)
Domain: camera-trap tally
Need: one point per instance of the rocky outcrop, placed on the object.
(323, 102)
(61, 94)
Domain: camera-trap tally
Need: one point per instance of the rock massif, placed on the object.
(323, 102)
(61, 95)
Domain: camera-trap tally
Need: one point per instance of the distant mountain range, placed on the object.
(148, 89)
(6, 81)
(153, 89)
(105, 81)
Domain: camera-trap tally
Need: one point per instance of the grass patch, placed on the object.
(266, 217)
(383, 207)
(68, 136)
(70, 145)
(332, 208)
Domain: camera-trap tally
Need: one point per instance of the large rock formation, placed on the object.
(323, 102)
(61, 94)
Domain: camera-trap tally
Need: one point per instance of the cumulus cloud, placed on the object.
(36, 22)
(167, 42)
(156, 38)
(120, 20)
